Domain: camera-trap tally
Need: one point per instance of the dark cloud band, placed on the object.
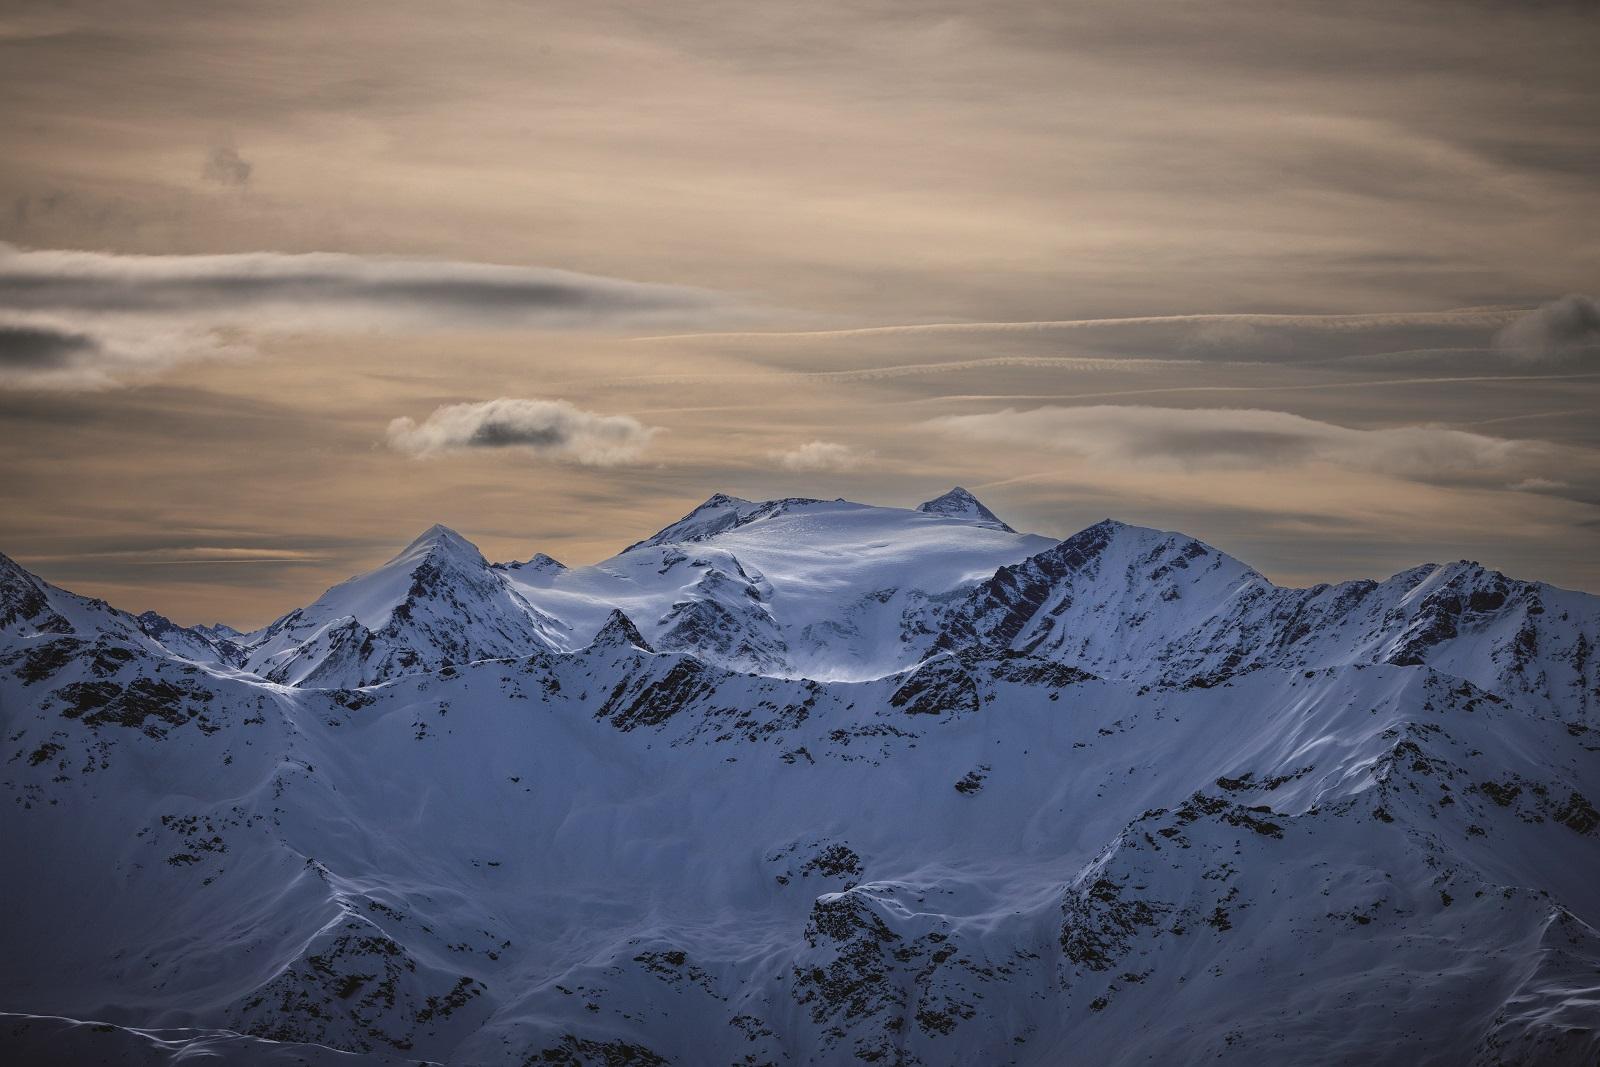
(61, 281)
(41, 348)
(88, 320)
(1246, 438)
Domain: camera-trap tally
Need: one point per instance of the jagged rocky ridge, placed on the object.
(1144, 605)
(1117, 800)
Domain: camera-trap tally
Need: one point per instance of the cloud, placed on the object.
(369, 289)
(225, 166)
(1230, 339)
(29, 347)
(51, 352)
(1561, 328)
(187, 555)
(1393, 340)
(108, 318)
(1246, 438)
(820, 456)
(549, 429)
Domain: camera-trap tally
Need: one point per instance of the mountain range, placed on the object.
(809, 782)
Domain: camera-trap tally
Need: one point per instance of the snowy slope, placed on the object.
(44, 1039)
(1081, 829)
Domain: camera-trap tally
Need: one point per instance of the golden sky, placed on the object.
(282, 284)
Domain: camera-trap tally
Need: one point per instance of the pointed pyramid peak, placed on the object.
(439, 539)
(619, 632)
(958, 503)
(436, 533)
(957, 496)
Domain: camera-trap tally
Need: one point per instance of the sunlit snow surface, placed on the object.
(818, 589)
(838, 784)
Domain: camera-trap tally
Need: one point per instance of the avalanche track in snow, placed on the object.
(809, 782)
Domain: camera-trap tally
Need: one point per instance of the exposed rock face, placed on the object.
(23, 601)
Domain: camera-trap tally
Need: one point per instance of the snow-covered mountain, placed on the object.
(1116, 799)
(1149, 606)
(801, 588)
(437, 603)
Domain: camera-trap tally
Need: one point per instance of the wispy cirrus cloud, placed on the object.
(548, 429)
(1462, 339)
(1245, 438)
(72, 319)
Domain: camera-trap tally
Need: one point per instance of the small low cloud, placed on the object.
(225, 166)
(85, 320)
(1223, 438)
(1560, 329)
(548, 429)
(820, 456)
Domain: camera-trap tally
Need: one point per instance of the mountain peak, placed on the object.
(719, 512)
(12, 571)
(960, 504)
(437, 533)
(618, 632)
(154, 623)
(538, 563)
(1107, 534)
(21, 594)
(439, 539)
(220, 630)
